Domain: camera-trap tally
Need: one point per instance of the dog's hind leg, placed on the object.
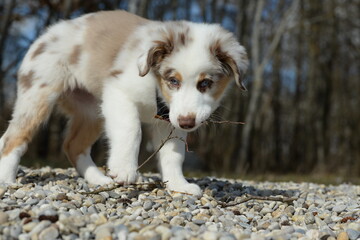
(84, 128)
(33, 106)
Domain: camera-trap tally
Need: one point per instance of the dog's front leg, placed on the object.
(123, 130)
(171, 157)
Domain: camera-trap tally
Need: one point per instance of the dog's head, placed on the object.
(194, 64)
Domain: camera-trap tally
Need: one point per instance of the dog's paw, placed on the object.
(189, 188)
(123, 176)
(7, 180)
(7, 177)
(100, 180)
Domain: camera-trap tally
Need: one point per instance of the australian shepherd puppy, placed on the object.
(105, 70)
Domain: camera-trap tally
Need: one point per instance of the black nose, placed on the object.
(186, 122)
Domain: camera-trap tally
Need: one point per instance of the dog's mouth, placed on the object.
(186, 126)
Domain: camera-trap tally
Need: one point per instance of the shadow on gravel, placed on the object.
(226, 191)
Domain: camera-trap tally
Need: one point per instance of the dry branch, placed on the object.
(152, 185)
(260, 198)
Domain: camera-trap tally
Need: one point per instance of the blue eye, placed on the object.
(204, 84)
(173, 82)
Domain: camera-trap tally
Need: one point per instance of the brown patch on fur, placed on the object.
(228, 64)
(135, 43)
(220, 86)
(163, 89)
(112, 29)
(182, 38)
(84, 126)
(39, 50)
(43, 85)
(115, 73)
(82, 133)
(25, 80)
(178, 76)
(75, 55)
(26, 126)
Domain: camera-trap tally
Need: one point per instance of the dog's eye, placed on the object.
(204, 84)
(173, 82)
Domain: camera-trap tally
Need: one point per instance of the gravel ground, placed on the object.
(51, 203)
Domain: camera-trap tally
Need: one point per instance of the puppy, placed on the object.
(105, 70)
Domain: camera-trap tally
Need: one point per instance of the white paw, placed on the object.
(123, 175)
(7, 179)
(189, 188)
(7, 176)
(100, 180)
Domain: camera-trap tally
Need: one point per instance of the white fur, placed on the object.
(127, 99)
(9, 165)
(89, 171)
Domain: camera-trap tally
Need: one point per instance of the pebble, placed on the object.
(2, 191)
(58, 208)
(339, 208)
(4, 217)
(353, 234)
(49, 233)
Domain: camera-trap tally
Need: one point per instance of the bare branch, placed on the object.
(260, 198)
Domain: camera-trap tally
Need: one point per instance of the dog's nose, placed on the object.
(186, 122)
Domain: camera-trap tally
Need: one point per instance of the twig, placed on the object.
(252, 197)
(108, 189)
(158, 149)
(226, 122)
(207, 121)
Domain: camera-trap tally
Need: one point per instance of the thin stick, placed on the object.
(226, 122)
(207, 121)
(252, 197)
(108, 189)
(158, 149)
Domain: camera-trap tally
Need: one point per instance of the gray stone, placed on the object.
(49, 233)
(339, 208)
(353, 234)
(4, 217)
(20, 194)
(148, 205)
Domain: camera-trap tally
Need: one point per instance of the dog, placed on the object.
(105, 71)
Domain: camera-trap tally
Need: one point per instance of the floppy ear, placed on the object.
(234, 61)
(153, 57)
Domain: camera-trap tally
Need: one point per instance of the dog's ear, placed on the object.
(234, 61)
(153, 57)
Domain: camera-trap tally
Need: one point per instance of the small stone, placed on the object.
(309, 218)
(103, 233)
(343, 236)
(49, 233)
(61, 196)
(39, 227)
(353, 234)
(2, 191)
(339, 208)
(29, 226)
(177, 221)
(148, 205)
(227, 237)
(354, 225)
(4, 217)
(192, 226)
(164, 232)
(20, 194)
(210, 235)
(160, 193)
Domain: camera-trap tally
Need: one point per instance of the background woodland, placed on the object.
(302, 107)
